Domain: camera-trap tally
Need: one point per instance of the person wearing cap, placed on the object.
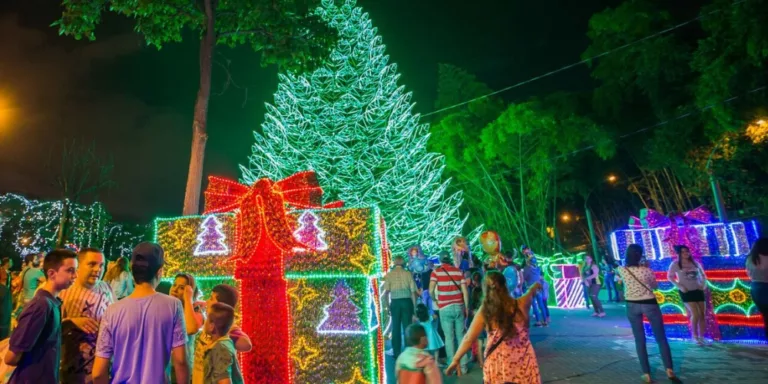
(145, 331)
(448, 288)
(400, 291)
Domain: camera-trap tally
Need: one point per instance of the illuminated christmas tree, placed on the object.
(309, 233)
(351, 122)
(342, 316)
(211, 240)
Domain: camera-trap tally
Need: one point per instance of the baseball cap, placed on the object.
(445, 257)
(148, 255)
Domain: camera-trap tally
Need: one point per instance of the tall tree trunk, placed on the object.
(200, 121)
(62, 236)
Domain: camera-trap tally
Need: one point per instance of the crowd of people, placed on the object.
(478, 311)
(497, 301)
(75, 327)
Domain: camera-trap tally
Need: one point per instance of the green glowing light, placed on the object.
(351, 122)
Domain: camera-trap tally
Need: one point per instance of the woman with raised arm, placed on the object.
(509, 355)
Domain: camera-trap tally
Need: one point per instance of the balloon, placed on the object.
(491, 243)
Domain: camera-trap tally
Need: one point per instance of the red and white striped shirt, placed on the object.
(449, 281)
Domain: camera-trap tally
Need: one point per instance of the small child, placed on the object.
(414, 365)
(434, 342)
(225, 294)
(218, 359)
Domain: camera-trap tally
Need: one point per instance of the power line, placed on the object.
(567, 67)
(646, 128)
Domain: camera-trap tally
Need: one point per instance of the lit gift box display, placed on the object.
(308, 276)
(720, 248)
(569, 290)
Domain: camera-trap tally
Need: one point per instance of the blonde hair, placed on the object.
(117, 269)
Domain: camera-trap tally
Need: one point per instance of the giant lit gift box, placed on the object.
(308, 276)
(720, 248)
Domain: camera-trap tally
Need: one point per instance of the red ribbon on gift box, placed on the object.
(261, 208)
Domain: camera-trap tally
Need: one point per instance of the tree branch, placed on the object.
(246, 32)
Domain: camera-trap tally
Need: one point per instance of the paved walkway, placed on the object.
(578, 348)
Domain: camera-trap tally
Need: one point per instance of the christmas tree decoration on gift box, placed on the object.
(211, 239)
(307, 272)
(721, 250)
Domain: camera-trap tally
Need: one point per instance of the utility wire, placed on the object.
(567, 67)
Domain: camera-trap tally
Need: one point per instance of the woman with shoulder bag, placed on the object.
(509, 355)
(639, 283)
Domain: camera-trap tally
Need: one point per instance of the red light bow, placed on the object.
(262, 210)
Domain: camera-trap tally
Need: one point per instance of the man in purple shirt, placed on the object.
(35, 346)
(141, 333)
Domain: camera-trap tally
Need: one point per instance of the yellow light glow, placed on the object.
(6, 111)
(757, 131)
(565, 217)
(612, 178)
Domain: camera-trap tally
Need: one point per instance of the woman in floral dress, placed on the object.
(509, 355)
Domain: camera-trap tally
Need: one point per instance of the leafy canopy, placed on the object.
(285, 31)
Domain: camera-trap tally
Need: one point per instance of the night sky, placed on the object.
(136, 102)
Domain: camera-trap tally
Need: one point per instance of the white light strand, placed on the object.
(352, 124)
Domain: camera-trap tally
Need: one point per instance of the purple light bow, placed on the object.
(651, 218)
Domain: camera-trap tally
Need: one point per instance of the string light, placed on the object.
(302, 294)
(280, 289)
(180, 238)
(36, 226)
(367, 146)
(342, 316)
(211, 240)
(309, 233)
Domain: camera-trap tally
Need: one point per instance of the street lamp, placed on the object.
(596, 256)
(565, 217)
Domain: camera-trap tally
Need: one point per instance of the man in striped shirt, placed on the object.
(83, 305)
(449, 290)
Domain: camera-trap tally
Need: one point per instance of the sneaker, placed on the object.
(602, 314)
(537, 324)
(595, 314)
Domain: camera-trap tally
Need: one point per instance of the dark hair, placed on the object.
(445, 257)
(30, 258)
(422, 313)
(633, 255)
(478, 276)
(225, 294)
(6, 260)
(414, 333)
(759, 248)
(497, 303)
(591, 258)
(54, 259)
(679, 251)
(221, 316)
(190, 281)
(85, 251)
